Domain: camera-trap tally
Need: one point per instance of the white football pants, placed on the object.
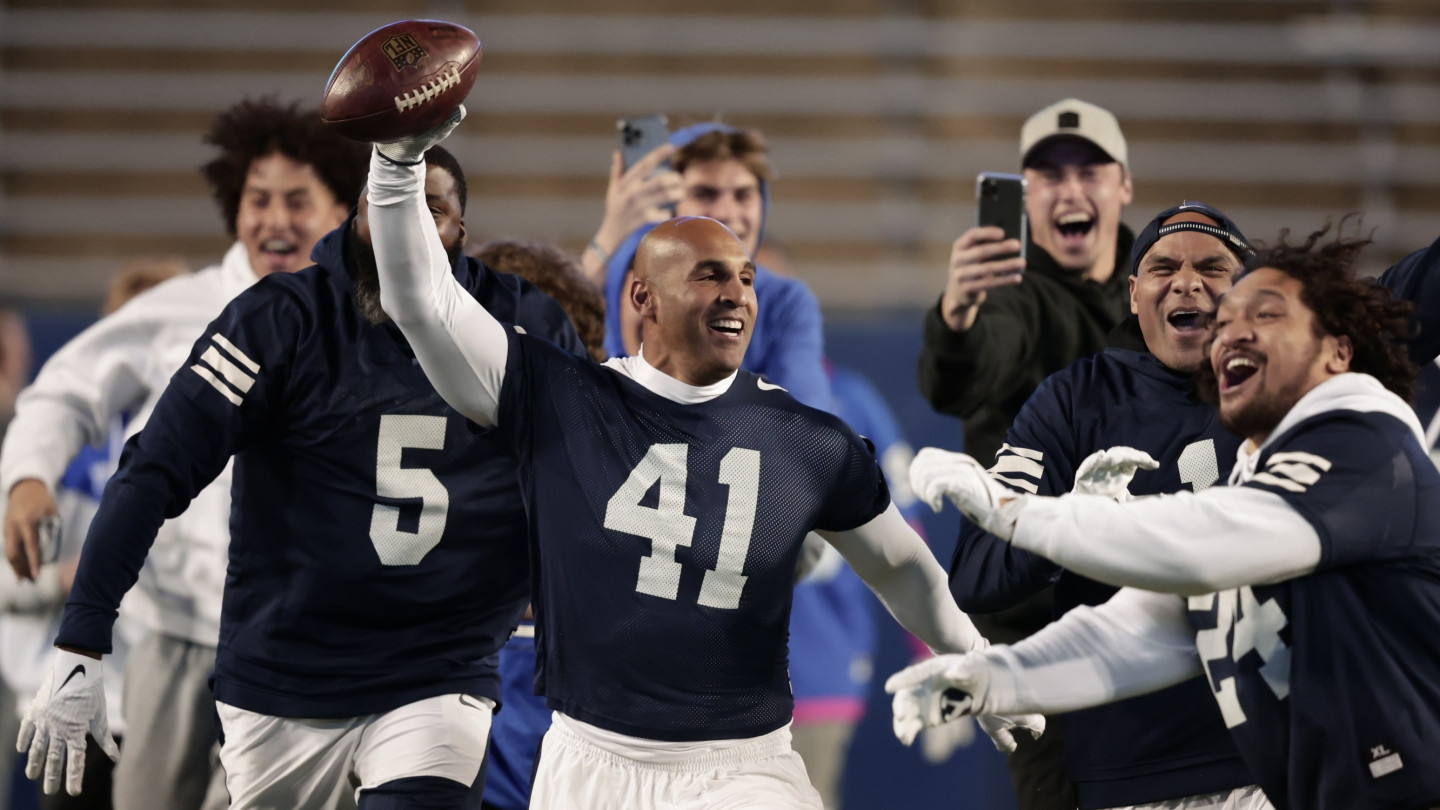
(763, 773)
(285, 763)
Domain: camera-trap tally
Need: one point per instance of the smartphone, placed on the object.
(49, 531)
(1001, 199)
(641, 136)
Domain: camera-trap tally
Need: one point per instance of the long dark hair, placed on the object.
(1377, 325)
(255, 128)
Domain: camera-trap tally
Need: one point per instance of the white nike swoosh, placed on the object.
(766, 385)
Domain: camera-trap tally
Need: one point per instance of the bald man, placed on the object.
(679, 597)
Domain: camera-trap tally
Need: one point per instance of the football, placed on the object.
(401, 80)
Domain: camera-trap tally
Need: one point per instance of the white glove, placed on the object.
(54, 727)
(1001, 728)
(938, 743)
(936, 474)
(411, 151)
(1109, 472)
(946, 688)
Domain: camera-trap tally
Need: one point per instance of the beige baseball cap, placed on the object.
(1073, 118)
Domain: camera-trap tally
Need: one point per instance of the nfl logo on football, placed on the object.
(403, 50)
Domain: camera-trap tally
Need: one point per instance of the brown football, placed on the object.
(401, 80)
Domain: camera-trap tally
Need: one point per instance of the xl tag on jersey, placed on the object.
(1383, 761)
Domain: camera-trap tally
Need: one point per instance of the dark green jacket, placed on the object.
(1021, 335)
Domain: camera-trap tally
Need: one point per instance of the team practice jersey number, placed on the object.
(667, 526)
(1257, 628)
(394, 545)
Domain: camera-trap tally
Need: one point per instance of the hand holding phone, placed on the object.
(990, 255)
(1001, 202)
(641, 136)
(642, 187)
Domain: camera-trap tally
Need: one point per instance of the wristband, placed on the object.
(599, 251)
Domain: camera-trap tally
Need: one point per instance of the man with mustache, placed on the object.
(1306, 592)
(377, 552)
(1171, 745)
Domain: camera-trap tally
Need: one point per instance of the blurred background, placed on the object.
(879, 114)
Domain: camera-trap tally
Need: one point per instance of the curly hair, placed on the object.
(256, 128)
(747, 146)
(1377, 325)
(557, 275)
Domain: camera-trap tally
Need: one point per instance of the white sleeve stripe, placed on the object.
(1033, 455)
(232, 373)
(1303, 473)
(215, 381)
(1015, 483)
(1304, 458)
(1018, 464)
(235, 352)
(1274, 481)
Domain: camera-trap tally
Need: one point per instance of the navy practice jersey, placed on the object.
(1330, 682)
(378, 551)
(667, 538)
(1170, 743)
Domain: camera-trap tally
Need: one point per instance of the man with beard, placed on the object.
(1311, 581)
(377, 554)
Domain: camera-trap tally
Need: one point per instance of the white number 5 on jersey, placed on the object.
(398, 432)
(667, 526)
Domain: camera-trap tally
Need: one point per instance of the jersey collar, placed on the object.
(658, 382)
(1345, 392)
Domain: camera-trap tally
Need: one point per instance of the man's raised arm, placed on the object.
(461, 347)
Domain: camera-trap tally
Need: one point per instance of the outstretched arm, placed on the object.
(461, 347)
(1136, 643)
(1184, 543)
(897, 565)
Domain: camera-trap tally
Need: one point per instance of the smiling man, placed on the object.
(1306, 592)
(996, 334)
(669, 494)
(722, 173)
(1169, 746)
(281, 180)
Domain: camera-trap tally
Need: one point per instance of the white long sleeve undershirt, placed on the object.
(1136, 643)
(460, 346)
(463, 350)
(1185, 543)
(897, 565)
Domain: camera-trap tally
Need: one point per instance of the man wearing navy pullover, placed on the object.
(1171, 745)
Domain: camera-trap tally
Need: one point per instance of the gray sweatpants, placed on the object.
(171, 757)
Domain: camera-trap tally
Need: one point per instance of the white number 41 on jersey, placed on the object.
(667, 526)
